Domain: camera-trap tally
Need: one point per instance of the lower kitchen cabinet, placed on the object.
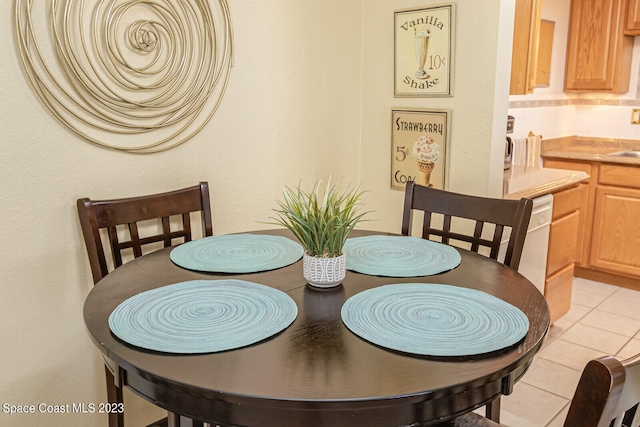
(563, 238)
(608, 244)
(616, 230)
(586, 211)
(557, 292)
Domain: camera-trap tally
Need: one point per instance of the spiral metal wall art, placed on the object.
(140, 76)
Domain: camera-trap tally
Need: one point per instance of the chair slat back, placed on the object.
(627, 410)
(499, 213)
(608, 394)
(129, 212)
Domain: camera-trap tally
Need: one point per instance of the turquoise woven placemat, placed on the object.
(434, 320)
(399, 256)
(202, 316)
(237, 253)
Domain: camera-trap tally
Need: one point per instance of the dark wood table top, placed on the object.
(316, 372)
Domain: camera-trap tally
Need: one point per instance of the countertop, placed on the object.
(530, 182)
(590, 149)
(526, 181)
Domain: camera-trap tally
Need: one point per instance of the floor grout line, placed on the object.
(555, 421)
(558, 414)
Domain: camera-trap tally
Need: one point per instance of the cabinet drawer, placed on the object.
(563, 238)
(566, 201)
(569, 165)
(626, 176)
(557, 292)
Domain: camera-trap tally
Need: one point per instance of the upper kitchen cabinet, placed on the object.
(598, 51)
(524, 59)
(633, 18)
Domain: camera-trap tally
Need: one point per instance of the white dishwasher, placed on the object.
(533, 264)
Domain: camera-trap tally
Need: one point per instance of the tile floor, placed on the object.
(603, 320)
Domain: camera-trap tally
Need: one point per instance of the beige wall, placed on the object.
(478, 105)
(310, 96)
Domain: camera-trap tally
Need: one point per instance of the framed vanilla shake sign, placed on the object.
(419, 147)
(424, 51)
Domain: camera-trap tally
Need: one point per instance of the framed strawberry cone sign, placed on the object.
(424, 51)
(419, 147)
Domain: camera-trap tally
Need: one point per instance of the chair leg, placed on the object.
(174, 419)
(493, 410)
(114, 395)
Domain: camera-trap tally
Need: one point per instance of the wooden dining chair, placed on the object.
(130, 226)
(608, 394)
(496, 213)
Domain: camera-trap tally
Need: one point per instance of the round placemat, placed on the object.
(434, 320)
(237, 253)
(202, 316)
(399, 256)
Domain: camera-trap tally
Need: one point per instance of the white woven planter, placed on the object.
(324, 272)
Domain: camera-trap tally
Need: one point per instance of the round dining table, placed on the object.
(316, 372)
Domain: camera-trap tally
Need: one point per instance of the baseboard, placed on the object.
(613, 279)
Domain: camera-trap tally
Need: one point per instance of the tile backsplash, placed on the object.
(591, 114)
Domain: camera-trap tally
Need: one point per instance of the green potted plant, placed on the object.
(322, 223)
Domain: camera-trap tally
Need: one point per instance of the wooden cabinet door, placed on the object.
(584, 226)
(598, 52)
(586, 205)
(633, 18)
(563, 238)
(615, 243)
(524, 58)
(557, 292)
